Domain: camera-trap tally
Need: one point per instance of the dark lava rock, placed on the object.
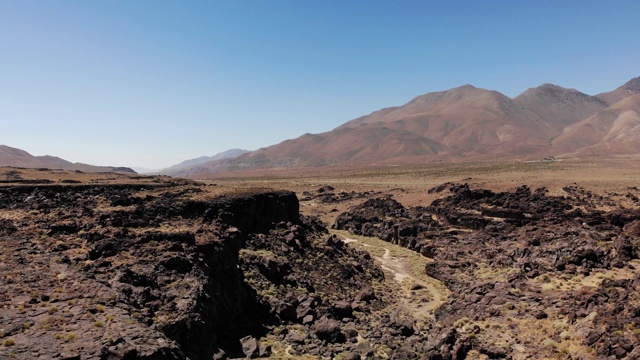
(530, 240)
(7, 227)
(350, 331)
(172, 294)
(329, 330)
(540, 314)
(342, 309)
(353, 356)
(366, 294)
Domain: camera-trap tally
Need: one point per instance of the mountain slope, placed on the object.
(631, 87)
(612, 131)
(183, 167)
(10, 156)
(368, 143)
(469, 119)
(559, 106)
(461, 122)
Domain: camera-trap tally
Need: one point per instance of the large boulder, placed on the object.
(328, 330)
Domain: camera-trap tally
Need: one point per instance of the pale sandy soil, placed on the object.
(418, 293)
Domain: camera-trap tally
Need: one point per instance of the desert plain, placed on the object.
(484, 260)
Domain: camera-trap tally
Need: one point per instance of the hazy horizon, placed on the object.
(151, 84)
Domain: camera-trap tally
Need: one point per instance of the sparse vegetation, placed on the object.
(8, 342)
(461, 322)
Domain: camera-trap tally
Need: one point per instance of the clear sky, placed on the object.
(152, 83)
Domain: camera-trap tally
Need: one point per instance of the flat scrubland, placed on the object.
(409, 184)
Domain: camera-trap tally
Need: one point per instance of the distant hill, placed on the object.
(10, 156)
(183, 167)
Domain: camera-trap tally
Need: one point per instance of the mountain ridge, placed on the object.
(629, 88)
(465, 123)
(560, 106)
(191, 163)
(465, 120)
(10, 156)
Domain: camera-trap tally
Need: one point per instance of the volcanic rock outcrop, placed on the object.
(163, 269)
(103, 273)
(530, 274)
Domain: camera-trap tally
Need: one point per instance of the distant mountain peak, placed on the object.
(558, 105)
(467, 89)
(464, 87)
(200, 161)
(10, 156)
(560, 93)
(547, 88)
(629, 88)
(464, 92)
(633, 85)
(556, 88)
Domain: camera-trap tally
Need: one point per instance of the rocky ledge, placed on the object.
(169, 270)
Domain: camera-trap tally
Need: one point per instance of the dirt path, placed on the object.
(417, 293)
(414, 284)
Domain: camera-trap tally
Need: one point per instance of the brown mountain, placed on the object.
(560, 106)
(19, 158)
(199, 164)
(631, 87)
(372, 143)
(461, 122)
(612, 131)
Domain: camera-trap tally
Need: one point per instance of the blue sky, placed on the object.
(152, 83)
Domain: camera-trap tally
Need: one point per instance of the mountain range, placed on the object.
(465, 124)
(192, 164)
(10, 156)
